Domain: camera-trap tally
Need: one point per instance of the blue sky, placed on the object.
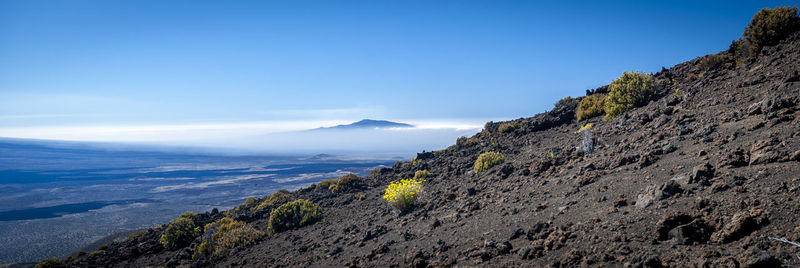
(132, 63)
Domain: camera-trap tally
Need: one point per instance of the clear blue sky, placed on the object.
(173, 62)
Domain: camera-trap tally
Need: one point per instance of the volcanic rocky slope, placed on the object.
(703, 175)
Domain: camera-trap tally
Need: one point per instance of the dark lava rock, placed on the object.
(702, 174)
(652, 193)
(516, 234)
(754, 258)
(669, 222)
(736, 158)
(741, 224)
(687, 234)
(764, 152)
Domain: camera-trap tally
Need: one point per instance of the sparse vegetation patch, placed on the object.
(422, 174)
(487, 160)
(50, 263)
(508, 127)
(769, 26)
(590, 106)
(275, 198)
(630, 90)
(343, 184)
(225, 234)
(294, 214)
(180, 232)
(467, 142)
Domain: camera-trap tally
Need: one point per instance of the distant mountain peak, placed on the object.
(370, 123)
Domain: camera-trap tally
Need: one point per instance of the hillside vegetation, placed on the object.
(693, 166)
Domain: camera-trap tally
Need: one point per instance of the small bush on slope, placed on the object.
(248, 203)
(467, 142)
(629, 90)
(50, 263)
(225, 234)
(422, 174)
(343, 184)
(326, 184)
(274, 198)
(590, 106)
(401, 194)
(487, 160)
(293, 214)
(347, 183)
(769, 26)
(566, 101)
(508, 127)
(180, 232)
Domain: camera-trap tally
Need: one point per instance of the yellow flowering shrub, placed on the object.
(400, 194)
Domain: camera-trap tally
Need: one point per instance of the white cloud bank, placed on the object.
(268, 136)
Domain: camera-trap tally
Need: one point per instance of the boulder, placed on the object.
(702, 174)
(741, 224)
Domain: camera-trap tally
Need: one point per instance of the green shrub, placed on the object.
(226, 234)
(180, 232)
(347, 183)
(629, 90)
(293, 215)
(590, 106)
(375, 172)
(508, 127)
(343, 184)
(566, 101)
(248, 203)
(326, 184)
(422, 174)
(136, 234)
(712, 61)
(50, 263)
(769, 26)
(401, 194)
(487, 160)
(467, 142)
(274, 198)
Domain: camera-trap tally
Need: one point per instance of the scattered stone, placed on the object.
(646, 199)
(516, 234)
(736, 158)
(669, 222)
(682, 180)
(507, 170)
(696, 231)
(416, 258)
(647, 159)
(470, 191)
(755, 257)
(702, 174)
(436, 223)
(764, 151)
(620, 202)
(741, 224)
(653, 193)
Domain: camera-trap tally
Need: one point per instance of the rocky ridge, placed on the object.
(704, 175)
